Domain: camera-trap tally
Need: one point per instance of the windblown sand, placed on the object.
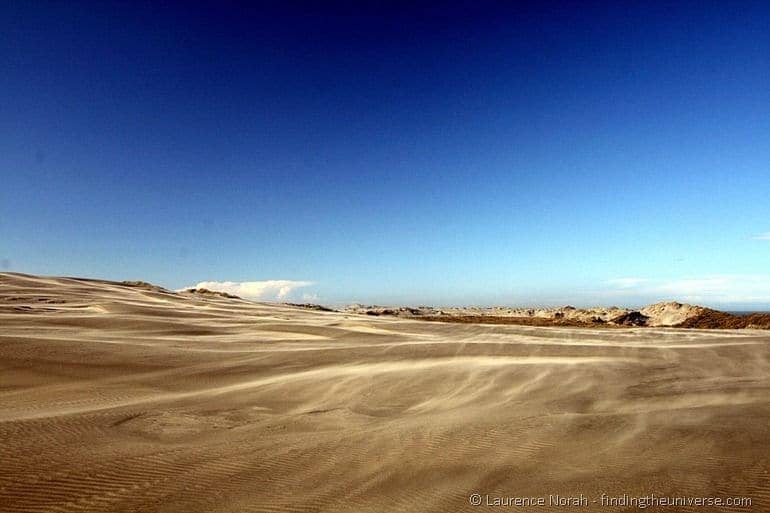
(120, 398)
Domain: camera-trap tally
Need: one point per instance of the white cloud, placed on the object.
(732, 288)
(763, 236)
(268, 290)
(309, 298)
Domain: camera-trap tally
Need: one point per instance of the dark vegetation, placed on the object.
(631, 319)
(518, 321)
(714, 319)
(311, 306)
(207, 292)
(143, 285)
(709, 319)
(404, 310)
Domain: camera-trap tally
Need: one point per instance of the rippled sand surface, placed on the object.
(118, 398)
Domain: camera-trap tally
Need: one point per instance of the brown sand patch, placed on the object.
(118, 397)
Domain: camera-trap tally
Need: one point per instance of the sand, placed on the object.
(131, 398)
(664, 314)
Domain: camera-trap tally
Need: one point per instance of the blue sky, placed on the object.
(565, 153)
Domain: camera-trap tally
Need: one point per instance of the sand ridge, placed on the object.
(663, 314)
(129, 397)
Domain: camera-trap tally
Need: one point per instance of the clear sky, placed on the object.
(565, 153)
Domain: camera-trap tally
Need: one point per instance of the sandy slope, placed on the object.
(664, 314)
(117, 398)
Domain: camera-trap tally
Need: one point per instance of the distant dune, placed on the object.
(666, 314)
(127, 397)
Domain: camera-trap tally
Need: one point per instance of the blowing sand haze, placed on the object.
(127, 397)
(268, 172)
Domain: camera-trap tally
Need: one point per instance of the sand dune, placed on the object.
(666, 314)
(128, 397)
